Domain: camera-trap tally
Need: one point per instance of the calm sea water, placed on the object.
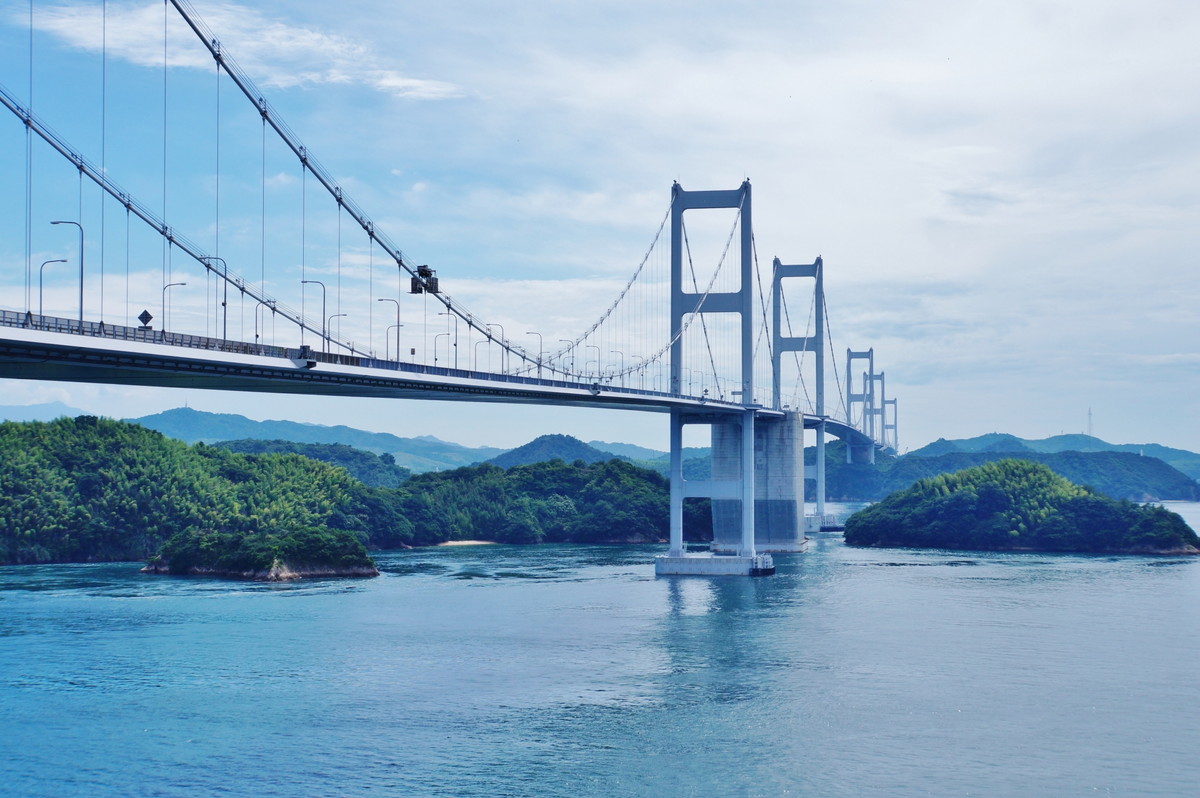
(573, 671)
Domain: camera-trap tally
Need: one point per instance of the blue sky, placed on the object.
(1005, 193)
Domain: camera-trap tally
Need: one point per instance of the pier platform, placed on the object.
(708, 564)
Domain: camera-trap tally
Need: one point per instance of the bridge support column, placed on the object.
(676, 475)
(769, 514)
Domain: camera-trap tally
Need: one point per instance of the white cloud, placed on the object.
(275, 54)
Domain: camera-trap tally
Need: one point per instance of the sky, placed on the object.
(1005, 195)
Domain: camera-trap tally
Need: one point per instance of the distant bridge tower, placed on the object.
(891, 440)
(865, 398)
(814, 343)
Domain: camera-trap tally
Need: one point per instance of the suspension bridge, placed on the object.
(339, 309)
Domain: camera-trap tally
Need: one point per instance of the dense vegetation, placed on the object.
(1016, 504)
(90, 489)
(374, 470)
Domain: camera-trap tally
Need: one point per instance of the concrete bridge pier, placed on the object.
(756, 488)
(778, 458)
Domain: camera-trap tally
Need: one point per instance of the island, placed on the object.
(1017, 505)
(269, 556)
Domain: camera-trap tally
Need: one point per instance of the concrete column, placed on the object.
(676, 484)
(821, 469)
(748, 467)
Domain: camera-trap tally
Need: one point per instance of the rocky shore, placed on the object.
(278, 572)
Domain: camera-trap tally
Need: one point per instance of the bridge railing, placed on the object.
(146, 335)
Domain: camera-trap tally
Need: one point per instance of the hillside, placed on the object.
(91, 489)
(424, 453)
(97, 490)
(1017, 505)
(552, 447)
(373, 470)
(1181, 459)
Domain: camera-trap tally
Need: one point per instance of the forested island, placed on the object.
(92, 489)
(1017, 505)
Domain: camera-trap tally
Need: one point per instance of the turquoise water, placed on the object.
(572, 670)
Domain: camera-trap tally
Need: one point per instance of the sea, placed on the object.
(561, 670)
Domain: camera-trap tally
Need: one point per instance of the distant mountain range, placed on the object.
(47, 411)
(998, 442)
(425, 453)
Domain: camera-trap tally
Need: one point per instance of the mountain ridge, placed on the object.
(1182, 459)
(425, 453)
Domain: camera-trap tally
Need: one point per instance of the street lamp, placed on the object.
(77, 224)
(389, 329)
(622, 354)
(475, 354)
(324, 337)
(395, 302)
(593, 346)
(225, 300)
(641, 372)
(503, 348)
(455, 317)
(43, 266)
(439, 335)
(270, 303)
(329, 322)
(164, 303)
(539, 335)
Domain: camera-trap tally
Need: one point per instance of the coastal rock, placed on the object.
(278, 572)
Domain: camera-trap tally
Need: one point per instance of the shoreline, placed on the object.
(466, 543)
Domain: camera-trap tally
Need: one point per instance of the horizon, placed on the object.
(809, 436)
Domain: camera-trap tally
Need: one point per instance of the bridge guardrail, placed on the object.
(120, 332)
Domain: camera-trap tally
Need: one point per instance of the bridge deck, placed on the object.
(50, 348)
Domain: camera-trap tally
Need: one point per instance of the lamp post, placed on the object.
(389, 329)
(622, 354)
(439, 335)
(395, 302)
(262, 303)
(329, 322)
(641, 372)
(539, 335)
(324, 337)
(164, 303)
(40, 268)
(77, 224)
(475, 353)
(593, 346)
(225, 299)
(454, 316)
(503, 348)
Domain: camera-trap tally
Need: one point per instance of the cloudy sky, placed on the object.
(1005, 194)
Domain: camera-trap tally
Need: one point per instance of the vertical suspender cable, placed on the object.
(303, 240)
(29, 176)
(103, 134)
(218, 284)
(262, 231)
(166, 278)
(339, 268)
